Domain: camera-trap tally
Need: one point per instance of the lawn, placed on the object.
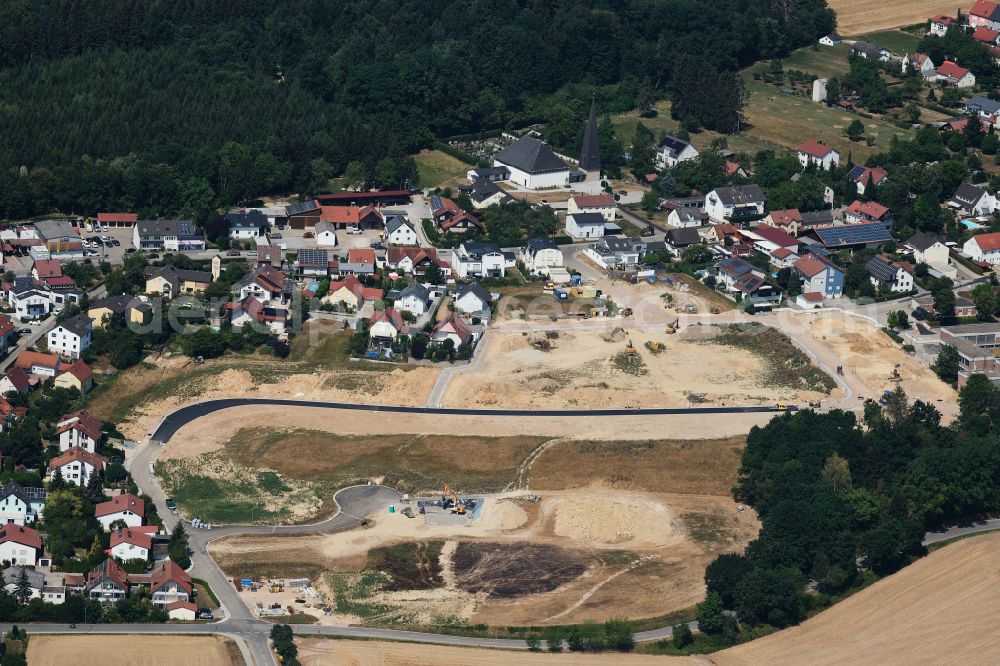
(439, 169)
(823, 61)
(897, 41)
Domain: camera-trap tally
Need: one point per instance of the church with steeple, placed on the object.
(590, 155)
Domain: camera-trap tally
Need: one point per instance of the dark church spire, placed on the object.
(590, 156)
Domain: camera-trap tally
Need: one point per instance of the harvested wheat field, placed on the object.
(943, 609)
(592, 369)
(572, 556)
(144, 650)
(855, 17)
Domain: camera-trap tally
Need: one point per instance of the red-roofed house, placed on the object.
(918, 62)
(181, 610)
(984, 248)
(78, 376)
(809, 300)
(342, 217)
(132, 543)
(951, 74)
(118, 219)
(127, 508)
(107, 582)
(818, 154)
(386, 324)
(450, 217)
(869, 211)
(780, 248)
(43, 269)
(939, 25)
(350, 293)
(603, 204)
(252, 310)
(38, 364)
(984, 15)
(170, 584)
(819, 276)
(20, 545)
(415, 260)
(79, 429)
(6, 330)
(788, 220)
(76, 465)
(361, 255)
(987, 36)
(16, 379)
(865, 176)
(732, 168)
(453, 328)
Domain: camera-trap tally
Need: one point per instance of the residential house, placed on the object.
(20, 545)
(107, 582)
(29, 298)
(246, 224)
(127, 508)
(614, 252)
(303, 215)
(386, 325)
(603, 204)
(399, 231)
(818, 154)
(266, 284)
(415, 260)
(265, 317)
(38, 364)
(415, 299)
(983, 248)
(788, 220)
(357, 217)
(888, 275)
(870, 51)
(973, 200)
(15, 379)
(350, 293)
(77, 465)
(721, 233)
(986, 36)
(453, 328)
(932, 251)
(939, 25)
(77, 376)
(71, 337)
(984, 14)
(326, 235)
(484, 193)
(731, 168)
(170, 235)
(869, 211)
(852, 236)
(532, 164)
(491, 174)
(819, 276)
(919, 63)
(672, 151)
(270, 255)
(79, 430)
(19, 505)
(951, 74)
(739, 277)
(170, 585)
(132, 543)
(479, 259)
(44, 269)
(541, 254)
(677, 240)
(738, 203)
(472, 299)
(450, 218)
(168, 281)
(310, 262)
(867, 177)
(117, 220)
(118, 308)
(780, 248)
(987, 109)
(683, 218)
(582, 226)
(6, 331)
(833, 39)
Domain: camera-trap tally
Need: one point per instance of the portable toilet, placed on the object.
(392, 508)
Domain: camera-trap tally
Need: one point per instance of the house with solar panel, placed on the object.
(869, 211)
(748, 283)
(671, 151)
(889, 275)
(867, 177)
(532, 164)
(852, 236)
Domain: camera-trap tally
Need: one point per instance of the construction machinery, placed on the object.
(276, 587)
(450, 500)
(672, 327)
(630, 349)
(781, 407)
(655, 347)
(626, 312)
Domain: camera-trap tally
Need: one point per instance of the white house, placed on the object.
(818, 154)
(472, 299)
(169, 585)
(479, 259)
(326, 235)
(734, 203)
(585, 225)
(604, 204)
(398, 230)
(20, 505)
(614, 251)
(890, 275)
(833, 39)
(918, 62)
(939, 25)
(20, 545)
(984, 248)
(126, 508)
(681, 218)
(973, 200)
(415, 299)
(181, 610)
(532, 164)
(673, 150)
(246, 224)
(77, 465)
(386, 324)
(541, 254)
(132, 543)
(71, 337)
(79, 429)
(819, 276)
(951, 73)
(454, 329)
(929, 250)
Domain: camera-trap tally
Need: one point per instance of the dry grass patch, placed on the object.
(669, 466)
(860, 16)
(144, 650)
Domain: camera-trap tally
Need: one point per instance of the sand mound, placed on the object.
(503, 516)
(614, 521)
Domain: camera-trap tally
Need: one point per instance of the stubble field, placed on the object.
(855, 17)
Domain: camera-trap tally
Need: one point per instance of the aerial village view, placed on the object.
(580, 332)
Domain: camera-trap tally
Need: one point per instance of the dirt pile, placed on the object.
(613, 521)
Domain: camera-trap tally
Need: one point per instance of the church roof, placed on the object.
(531, 156)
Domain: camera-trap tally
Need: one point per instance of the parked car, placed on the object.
(233, 253)
(252, 253)
(204, 614)
(309, 234)
(115, 242)
(354, 231)
(377, 245)
(129, 250)
(277, 236)
(154, 255)
(24, 331)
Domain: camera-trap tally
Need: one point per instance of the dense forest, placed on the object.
(842, 502)
(175, 107)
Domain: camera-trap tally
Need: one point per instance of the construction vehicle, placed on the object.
(672, 327)
(655, 347)
(630, 349)
(407, 511)
(715, 310)
(275, 587)
(626, 312)
(450, 500)
(840, 370)
(781, 407)
(550, 286)
(815, 404)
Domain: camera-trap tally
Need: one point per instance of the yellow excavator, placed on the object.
(630, 349)
(455, 506)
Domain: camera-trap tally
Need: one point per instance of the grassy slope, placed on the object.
(438, 169)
